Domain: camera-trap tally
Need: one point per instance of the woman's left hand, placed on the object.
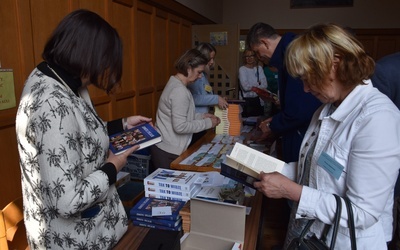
(275, 185)
(137, 119)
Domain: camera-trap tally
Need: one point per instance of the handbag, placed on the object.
(315, 243)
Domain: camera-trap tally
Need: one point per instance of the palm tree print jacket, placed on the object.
(62, 145)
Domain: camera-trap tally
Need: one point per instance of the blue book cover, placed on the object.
(156, 226)
(237, 175)
(145, 205)
(154, 220)
(143, 134)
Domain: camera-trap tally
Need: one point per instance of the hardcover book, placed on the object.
(166, 196)
(266, 95)
(145, 206)
(144, 134)
(166, 223)
(237, 175)
(156, 226)
(172, 179)
(168, 191)
(245, 164)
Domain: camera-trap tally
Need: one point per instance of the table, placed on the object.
(134, 236)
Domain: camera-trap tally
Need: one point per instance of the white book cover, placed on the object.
(172, 179)
(169, 191)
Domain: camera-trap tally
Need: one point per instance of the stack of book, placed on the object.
(158, 214)
(172, 184)
(231, 122)
(185, 214)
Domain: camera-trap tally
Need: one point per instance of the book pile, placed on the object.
(157, 213)
(171, 184)
(231, 123)
(185, 214)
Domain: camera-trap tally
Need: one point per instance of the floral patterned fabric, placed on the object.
(62, 144)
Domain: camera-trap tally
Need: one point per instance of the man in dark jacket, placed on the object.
(386, 78)
(297, 106)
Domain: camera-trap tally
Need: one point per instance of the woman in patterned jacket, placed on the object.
(68, 173)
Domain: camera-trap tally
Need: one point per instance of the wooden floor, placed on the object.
(275, 224)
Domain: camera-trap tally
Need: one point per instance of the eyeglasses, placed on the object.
(249, 56)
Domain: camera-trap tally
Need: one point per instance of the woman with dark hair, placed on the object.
(68, 173)
(176, 119)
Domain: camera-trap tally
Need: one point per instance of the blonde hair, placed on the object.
(312, 54)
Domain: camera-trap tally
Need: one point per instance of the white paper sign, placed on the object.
(161, 211)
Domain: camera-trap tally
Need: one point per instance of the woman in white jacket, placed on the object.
(351, 148)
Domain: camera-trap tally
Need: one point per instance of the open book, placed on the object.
(144, 134)
(244, 164)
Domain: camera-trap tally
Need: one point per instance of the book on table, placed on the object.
(172, 179)
(168, 191)
(144, 134)
(154, 220)
(157, 208)
(245, 164)
(157, 226)
(166, 197)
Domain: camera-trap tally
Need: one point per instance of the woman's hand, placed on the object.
(132, 121)
(214, 119)
(222, 103)
(120, 160)
(275, 185)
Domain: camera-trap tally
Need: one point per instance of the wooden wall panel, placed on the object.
(186, 35)
(45, 17)
(174, 50)
(145, 66)
(386, 46)
(161, 52)
(15, 53)
(122, 18)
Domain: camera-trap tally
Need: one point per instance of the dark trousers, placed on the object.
(160, 159)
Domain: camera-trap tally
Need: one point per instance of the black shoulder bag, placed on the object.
(313, 243)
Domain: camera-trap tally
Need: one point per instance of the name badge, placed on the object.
(330, 165)
(208, 88)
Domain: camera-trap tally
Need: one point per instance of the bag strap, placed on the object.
(351, 223)
(336, 221)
